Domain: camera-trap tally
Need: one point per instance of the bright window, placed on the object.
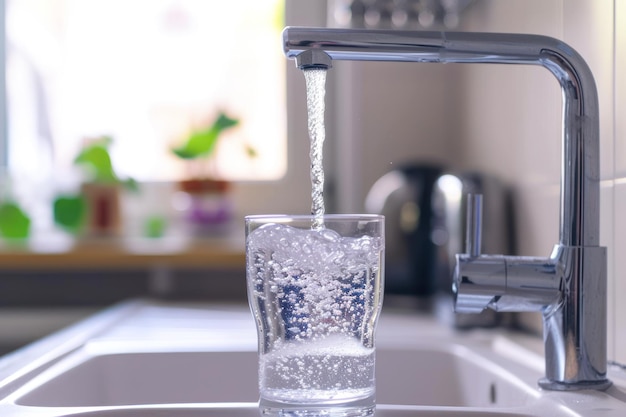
(144, 72)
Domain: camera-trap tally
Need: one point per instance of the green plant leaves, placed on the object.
(154, 227)
(69, 212)
(202, 142)
(14, 222)
(96, 161)
(224, 122)
(198, 144)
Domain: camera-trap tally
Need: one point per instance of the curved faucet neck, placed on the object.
(579, 211)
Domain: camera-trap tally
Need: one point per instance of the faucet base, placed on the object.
(577, 386)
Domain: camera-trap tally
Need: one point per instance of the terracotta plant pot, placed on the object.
(104, 214)
(209, 207)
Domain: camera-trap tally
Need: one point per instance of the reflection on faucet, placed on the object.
(569, 286)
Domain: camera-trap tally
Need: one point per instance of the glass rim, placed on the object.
(304, 217)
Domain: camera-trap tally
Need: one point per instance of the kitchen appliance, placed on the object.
(404, 196)
(424, 208)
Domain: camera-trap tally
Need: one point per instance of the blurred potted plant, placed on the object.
(208, 205)
(95, 209)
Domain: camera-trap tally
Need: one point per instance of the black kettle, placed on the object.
(404, 196)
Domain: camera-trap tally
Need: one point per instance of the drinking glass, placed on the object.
(315, 288)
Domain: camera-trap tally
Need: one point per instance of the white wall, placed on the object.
(397, 113)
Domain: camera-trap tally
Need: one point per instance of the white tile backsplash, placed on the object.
(617, 280)
(588, 27)
(618, 276)
(607, 223)
(619, 147)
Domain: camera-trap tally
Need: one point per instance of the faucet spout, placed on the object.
(312, 59)
(569, 286)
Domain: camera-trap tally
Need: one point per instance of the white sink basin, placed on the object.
(251, 410)
(148, 378)
(432, 375)
(146, 360)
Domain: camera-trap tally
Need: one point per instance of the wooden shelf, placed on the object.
(127, 253)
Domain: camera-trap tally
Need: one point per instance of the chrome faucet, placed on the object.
(569, 286)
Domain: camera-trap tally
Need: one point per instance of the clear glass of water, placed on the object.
(315, 289)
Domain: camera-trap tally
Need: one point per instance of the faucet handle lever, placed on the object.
(473, 232)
